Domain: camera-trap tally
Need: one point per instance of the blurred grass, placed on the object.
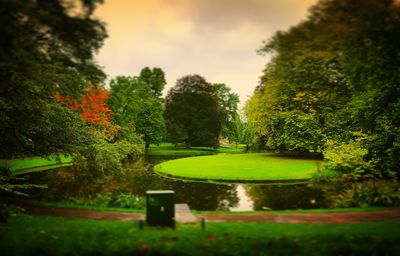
(38, 235)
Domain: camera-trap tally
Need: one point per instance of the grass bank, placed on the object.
(164, 149)
(38, 235)
(34, 164)
(239, 167)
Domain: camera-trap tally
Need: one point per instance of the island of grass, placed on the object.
(240, 167)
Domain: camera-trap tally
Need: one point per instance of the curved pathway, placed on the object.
(309, 218)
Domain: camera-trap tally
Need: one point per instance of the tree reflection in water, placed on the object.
(290, 196)
(139, 178)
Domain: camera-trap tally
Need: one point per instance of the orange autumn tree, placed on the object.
(93, 108)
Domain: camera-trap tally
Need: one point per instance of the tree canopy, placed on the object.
(333, 80)
(155, 79)
(228, 102)
(138, 108)
(46, 47)
(192, 112)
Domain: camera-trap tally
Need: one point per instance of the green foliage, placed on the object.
(192, 113)
(137, 109)
(349, 159)
(103, 159)
(13, 186)
(16, 186)
(326, 175)
(331, 76)
(128, 201)
(117, 200)
(45, 49)
(228, 102)
(369, 194)
(155, 78)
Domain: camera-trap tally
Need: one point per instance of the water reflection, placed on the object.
(281, 197)
(140, 177)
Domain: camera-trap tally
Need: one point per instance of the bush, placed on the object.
(128, 201)
(326, 175)
(104, 159)
(108, 200)
(349, 160)
(369, 194)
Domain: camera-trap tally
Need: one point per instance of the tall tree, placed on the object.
(155, 78)
(228, 102)
(45, 47)
(137, 109)
(192, 112)
(334, 77)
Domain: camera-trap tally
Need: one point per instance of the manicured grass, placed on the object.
(22, 166)
(239, 167)
(26, 235)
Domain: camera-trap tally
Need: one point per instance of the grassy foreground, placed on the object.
(27, 235)
(239, 167)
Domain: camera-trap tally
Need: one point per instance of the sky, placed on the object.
(217, 39)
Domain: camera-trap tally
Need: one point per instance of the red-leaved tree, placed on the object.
(92, 107)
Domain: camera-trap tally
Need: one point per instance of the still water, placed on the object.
(198, 195)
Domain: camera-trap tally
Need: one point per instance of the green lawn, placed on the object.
(21, 166)
(239, 167)
(39, 235)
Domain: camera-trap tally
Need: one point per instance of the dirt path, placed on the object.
(82, 213)
(310, 218)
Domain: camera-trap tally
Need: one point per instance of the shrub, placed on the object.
(326, 175)
(348, 159)
(109, 200)
(104, 159)
(128, 201)
(369, 194)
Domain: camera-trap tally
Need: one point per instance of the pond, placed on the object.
(200, 196)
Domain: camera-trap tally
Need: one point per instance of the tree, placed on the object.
(192, 113)
(155, 79)
(137, 109)
(45, 47)
(92, 107)
(228, 102)
(332, 78)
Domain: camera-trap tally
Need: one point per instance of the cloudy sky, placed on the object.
(216, 39)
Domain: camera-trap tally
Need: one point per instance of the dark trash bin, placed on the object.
(160, 208)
